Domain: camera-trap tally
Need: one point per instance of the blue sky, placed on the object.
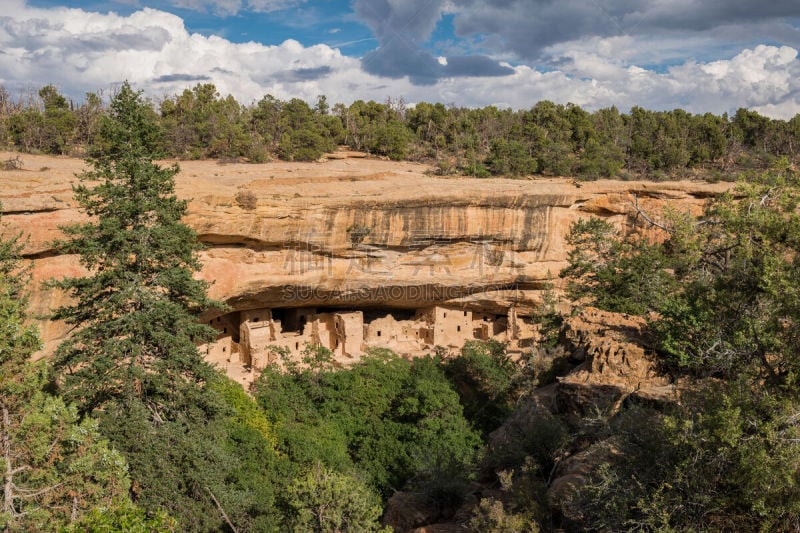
(702, 55)
(310, 23)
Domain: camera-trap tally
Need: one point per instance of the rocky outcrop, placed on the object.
(613, 368)
(574, 471)
(610, 350)
(407, 511)
(351, 233)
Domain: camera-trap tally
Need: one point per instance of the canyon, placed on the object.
(351, 253)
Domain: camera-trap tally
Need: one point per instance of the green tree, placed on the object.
(738, 307)
(487, 381)
(391, 138)
(54, 466)
(398, 422)
(199, 123)
(135, 312)
(511, 157)
(59, 121)
(307, 133)
(547, 128)
(725, 459)
(123, 517)
(323, 500)
(26, 129)
(612, 272)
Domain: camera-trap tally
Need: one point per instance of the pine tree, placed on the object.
(53, 466)
(134, 314)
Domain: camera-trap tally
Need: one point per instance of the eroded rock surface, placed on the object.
(351, 234)
(613, 364)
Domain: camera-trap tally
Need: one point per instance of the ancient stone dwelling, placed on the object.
(251, 340)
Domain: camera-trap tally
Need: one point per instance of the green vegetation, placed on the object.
(136, 311)
(128, 429)
(398, 422)
(547, 139)
(621, 275)
(488, 382)
(57, 467)
(725, 306)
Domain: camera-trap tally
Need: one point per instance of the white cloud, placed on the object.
(528, 27)
(233, 7)
(81, 51)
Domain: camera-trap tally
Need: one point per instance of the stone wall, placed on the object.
(264, 333)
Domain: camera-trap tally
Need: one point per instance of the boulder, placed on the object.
(407, 511)
(614, 364)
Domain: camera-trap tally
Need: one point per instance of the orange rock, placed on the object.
(351, 232)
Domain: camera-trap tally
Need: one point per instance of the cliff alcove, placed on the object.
(369, 246)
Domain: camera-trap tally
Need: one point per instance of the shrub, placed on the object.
(246, 199)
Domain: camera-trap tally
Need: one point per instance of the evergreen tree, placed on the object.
(59, 121)
(624, 275)
(325, 500)
(135, 312)
(54, 467)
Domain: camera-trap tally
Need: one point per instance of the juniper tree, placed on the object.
(135, 313)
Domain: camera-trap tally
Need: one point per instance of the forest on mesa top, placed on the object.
(547, 139)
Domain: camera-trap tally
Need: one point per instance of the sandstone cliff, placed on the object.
(351, 233)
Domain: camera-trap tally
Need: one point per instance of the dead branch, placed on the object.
(647, 219)
(222, 511)
(156, 416)
(13, 163)
(30, 493)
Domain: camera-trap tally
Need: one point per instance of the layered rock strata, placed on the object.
(351, 235)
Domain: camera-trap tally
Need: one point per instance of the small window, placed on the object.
(210, 322)
(297, 346)
(337, 343)
(224, 330)
(256, 319)
(379, 333)
(444, 314)
(465, 313)
(458, 328)
(223, 349)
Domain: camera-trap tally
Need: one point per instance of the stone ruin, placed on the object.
(248, 341)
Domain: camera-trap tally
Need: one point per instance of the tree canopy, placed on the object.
(135, 311)
(546, 139)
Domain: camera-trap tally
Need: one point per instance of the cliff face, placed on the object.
(351, 233)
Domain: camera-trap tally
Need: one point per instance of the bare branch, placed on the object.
(156, 416)
(647, 219)
(222, 511)
(29, 493)
(19, 469)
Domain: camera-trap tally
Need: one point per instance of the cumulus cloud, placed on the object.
(543, 30)
(526, 28)
(233, 7)
(302, 74)
(41, 46)
(400, 26)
